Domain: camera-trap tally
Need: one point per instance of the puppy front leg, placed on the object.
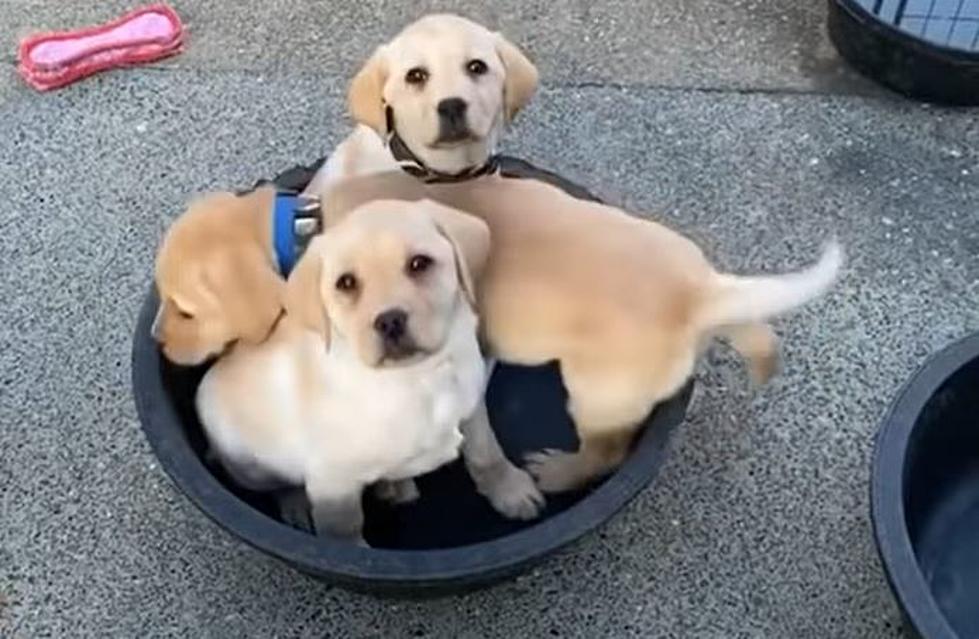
(511, 490)
(336, 508)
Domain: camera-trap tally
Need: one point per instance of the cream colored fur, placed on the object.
(311, 407)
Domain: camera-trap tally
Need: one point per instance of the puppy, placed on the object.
(373, 374)
(438, 96)
(216, 277)
(625, 305)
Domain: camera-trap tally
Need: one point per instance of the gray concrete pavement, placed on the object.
(743, 44)
(758, 525)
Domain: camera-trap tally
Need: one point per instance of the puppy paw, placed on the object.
(554, 470)
(512, 492)
(403, 491)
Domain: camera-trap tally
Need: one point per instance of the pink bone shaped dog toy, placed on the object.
(52, 60)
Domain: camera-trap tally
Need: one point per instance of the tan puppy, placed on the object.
(371, 373)
(624, 304)
(216, 277)
(446, 87)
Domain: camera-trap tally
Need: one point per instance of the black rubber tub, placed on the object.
(447, 541)
(925, 494)
(923, 49)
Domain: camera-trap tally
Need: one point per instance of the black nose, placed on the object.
(452, 109)
(391, 325)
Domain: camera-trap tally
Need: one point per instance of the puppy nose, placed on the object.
(452, 109)
(391, 324)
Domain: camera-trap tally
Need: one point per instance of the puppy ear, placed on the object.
(365, 97)
(521, 77)
(470, 239)
(249, 290)
(303, 300)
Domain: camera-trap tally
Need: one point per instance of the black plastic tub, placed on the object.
(447, 541)
(925, 494)
(924, 49)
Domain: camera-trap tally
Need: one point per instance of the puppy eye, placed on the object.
(346, 283)
(185, 315)
(418, 264)
(477, 67)
(416, 75)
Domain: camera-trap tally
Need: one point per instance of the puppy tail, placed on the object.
(744, 299)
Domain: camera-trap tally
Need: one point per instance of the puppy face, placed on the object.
(386, 281)
(450, 84)
(215, 283)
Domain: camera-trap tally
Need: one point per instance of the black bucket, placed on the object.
(450, 539)
(925, 494)
(923, 49)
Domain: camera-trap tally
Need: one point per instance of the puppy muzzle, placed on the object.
(399, 351)
(453, 122)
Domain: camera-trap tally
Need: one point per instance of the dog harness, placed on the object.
(296, 219)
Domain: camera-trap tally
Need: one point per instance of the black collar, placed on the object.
(412, 164)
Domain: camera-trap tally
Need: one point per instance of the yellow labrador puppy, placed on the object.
(433, 100)
(216, 277)
(625, 305)
(374, 374)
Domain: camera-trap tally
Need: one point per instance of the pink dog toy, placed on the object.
(52, 60)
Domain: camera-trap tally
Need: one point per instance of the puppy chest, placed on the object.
(421, 421)
(425, 450)
(412, 427)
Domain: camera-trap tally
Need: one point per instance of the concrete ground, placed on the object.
(733, 121)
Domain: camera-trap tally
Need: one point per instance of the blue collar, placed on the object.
(295, 220)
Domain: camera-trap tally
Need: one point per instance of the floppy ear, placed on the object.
(365, 97)
(249, 290)
(303, 301)
(521, 77)
(470, 239)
